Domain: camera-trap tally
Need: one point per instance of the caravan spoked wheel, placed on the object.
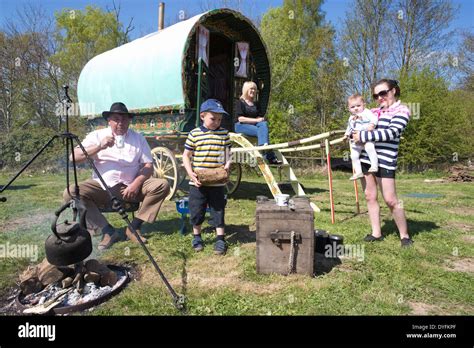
(234, 178)
(166, 167)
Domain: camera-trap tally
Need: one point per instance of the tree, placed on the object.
(37, 58)
(466, 61)
(28, 80)
(9, 83)
(419, 30)
(81, 35)
(395, 37)
(306, 72)
(362, 43)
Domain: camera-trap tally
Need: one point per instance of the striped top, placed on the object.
(386, 136)
(208, 146)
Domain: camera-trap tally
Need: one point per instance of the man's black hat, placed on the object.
(117, 108)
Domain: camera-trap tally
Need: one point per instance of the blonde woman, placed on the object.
(250, 121)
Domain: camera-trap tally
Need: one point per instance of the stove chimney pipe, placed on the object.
(161, 16)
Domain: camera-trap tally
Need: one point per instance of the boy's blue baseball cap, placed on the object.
(213, 105)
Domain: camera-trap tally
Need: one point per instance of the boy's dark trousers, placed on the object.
(200, 198)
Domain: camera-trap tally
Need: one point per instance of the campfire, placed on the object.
(62, 289)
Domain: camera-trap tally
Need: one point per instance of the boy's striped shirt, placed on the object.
(208, 146)
(386, 136)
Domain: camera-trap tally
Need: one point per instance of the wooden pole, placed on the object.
(312, 147)
(328, 159)
(356, 193)
(290, 144)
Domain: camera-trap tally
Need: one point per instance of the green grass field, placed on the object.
(433, 277)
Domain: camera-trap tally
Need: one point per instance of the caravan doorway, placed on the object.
(220, 74)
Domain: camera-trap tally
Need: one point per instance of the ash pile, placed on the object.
(46, 288)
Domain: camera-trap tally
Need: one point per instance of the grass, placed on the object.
(434, 277)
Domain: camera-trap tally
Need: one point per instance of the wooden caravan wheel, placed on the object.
(166, 167)
(234, 178)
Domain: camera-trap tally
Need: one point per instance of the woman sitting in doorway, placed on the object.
(249, 120)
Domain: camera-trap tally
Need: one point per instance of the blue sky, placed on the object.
(144, 12)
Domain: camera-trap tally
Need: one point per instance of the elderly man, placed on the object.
(123, 158)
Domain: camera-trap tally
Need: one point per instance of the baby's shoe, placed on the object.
(356, 176)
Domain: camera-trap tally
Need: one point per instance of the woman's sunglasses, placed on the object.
(380, 94)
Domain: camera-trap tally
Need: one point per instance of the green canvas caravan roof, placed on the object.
(156, 73)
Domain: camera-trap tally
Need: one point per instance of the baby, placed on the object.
(361, 119)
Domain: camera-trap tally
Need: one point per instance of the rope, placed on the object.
(291, 260)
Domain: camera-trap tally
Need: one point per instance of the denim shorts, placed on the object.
(382, 172)
(200, 198)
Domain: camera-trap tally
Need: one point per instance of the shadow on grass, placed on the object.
(234, 233)
(240, 233)
(338, 211)
(414, 227)
(17, 187)
(324, 265)
(168, 227)
(363, 205)
(354, 215)
(415, 211)
(184, 274)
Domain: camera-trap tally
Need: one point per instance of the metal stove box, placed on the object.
(275, 227)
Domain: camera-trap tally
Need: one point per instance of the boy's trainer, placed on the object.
(197, 244)
(220, 247)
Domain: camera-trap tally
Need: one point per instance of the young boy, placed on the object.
(206, 147)
(361, 119)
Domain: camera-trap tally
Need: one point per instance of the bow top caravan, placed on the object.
(159, 76)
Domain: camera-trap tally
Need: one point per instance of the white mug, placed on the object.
(282, 200)
(120, 141)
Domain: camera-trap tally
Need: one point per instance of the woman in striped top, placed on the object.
(393, 118)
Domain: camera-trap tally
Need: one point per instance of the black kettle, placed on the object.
(70, 242)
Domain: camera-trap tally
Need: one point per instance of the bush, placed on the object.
(20, 145)
(440, 129)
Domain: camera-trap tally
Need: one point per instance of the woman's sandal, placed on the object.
(371, 238)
